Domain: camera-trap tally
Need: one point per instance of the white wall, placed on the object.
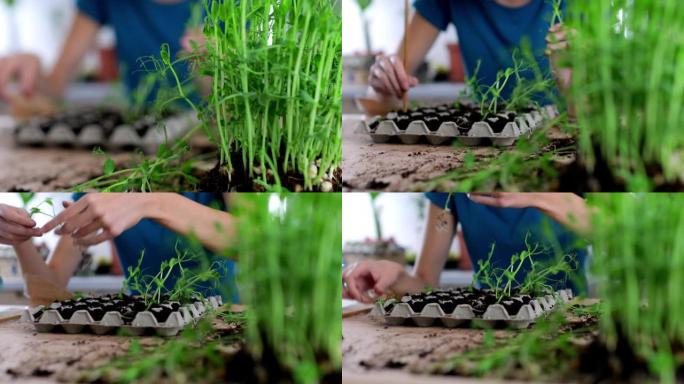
(385, 18)
(400, 218)
(50, 239)
(40, 27)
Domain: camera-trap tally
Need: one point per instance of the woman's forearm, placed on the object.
(568, 209)
(439, 234)
(80, 39)
(213, 228)
(57, 270)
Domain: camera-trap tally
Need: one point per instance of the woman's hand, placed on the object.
(16, 226)
(388, 77)
(25, 68)
(365, 281)
(99, 217)
(193, 38)
(556, 45)
(568, 209)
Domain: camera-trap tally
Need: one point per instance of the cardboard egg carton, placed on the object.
(147, 133)
(383, 129)
(81, 321)
(463, 314)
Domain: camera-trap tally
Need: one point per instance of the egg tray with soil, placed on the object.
(444, 123)
(465, 307)
(103, 127)
(110, 313)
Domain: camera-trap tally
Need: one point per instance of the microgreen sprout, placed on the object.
(557, 17)
(628, 85)
(289, 277)
(504, 282)
(36, 210)
(153, 288)
(490, 98)
(276, 84)
(642, 301)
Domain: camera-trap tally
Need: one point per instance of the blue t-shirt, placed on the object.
(159, 244)
(141, 27)
(507, 228)
(489, 32)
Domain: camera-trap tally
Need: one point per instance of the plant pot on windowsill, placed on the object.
(374, 250)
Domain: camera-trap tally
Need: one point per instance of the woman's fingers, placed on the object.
(358, 283)
(19, 230)
(383, 282)
(16, 216)
(65, 215)
(87, 230)
(73, 224)
(24, 67)
(389, 71)
(94, 239)
(380, 82)
(388, 76)
(400, 72)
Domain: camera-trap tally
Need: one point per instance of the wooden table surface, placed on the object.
(44, 169)
(393, 167)
(369, 346)
(27, 356)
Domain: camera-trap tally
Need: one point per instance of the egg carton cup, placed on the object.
(92, 135)
(523, 125)
(82, 322)
(464, 315)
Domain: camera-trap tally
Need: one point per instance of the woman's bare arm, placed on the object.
(388, 77)
(436, 244)
(81, 37)
(59, 267)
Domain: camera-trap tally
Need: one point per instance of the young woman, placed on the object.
(135, 222)
(141, 28)
(488, 32)
(507, 220)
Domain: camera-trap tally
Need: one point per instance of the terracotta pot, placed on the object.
(109, 65)
(457, 74)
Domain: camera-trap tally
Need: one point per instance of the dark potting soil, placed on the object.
(107, 119)
(218, 179)
(128, 306)
(577, 178)
(621, 364)
(448, 300)
(464, 116)
(244, 368)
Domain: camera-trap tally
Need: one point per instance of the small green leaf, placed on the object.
(109, 167)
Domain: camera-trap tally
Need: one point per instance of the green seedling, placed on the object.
(38, 211)
(557, 17)
(151, 288)
(546, 352)
(628, 86)
(197, 354)
(490, 97)
(289, 277)
(276, 84)
(642, 301)
(528, 166)
(504, 282)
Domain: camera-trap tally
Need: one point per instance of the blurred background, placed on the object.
(391, 226)
(372, 27)
(40, 27)
(99, 272)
